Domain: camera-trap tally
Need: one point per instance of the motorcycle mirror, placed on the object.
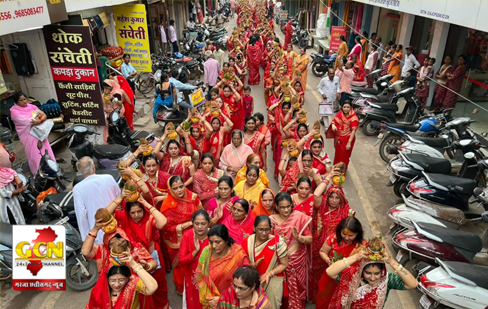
(39, 145)
(484, 134)
(477, 191)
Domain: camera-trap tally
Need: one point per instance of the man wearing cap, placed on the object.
(410, 63)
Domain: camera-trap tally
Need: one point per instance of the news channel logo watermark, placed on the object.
(39, 258)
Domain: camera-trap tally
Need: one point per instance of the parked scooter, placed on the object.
(454, 284)
(411, 166)
(107, 155)
(119, 132)
(379, 85)
(450, 190)
(81, 274)
(381, 112)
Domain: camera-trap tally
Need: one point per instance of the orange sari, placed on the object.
(395, 68)
(177, 211)
(214, 276)
(260, 209)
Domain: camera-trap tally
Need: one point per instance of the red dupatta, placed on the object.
(371, 296)
(100, 295)
(180, 168)
(306, 207)
(344, 125)
(238, 229)
(159, 187)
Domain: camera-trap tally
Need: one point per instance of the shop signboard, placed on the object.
(3, 86)
(132, 34)
(335, 38)
(26, 14)
(75, 75)
(454, 12)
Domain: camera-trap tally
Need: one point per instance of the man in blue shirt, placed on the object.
(180, 86)
(128, 71)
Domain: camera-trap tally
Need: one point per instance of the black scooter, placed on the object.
(386, 112)
(119, 132)
(450, 190)
(107, 155)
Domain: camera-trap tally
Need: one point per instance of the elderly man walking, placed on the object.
(92, 193)
(211, 69)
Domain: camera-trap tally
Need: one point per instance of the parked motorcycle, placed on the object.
(321, 63)
(81, 273)
(386, 112)
(393, 134)
(454, 284)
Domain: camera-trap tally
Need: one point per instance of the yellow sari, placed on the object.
(251, 194)
(241, 175)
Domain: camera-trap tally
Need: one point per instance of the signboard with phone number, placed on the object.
(20, 15)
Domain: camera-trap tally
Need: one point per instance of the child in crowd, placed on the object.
(248, 102)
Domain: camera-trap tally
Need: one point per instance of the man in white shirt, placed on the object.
(172, 36)
(410, 62)
(164, 40)
(92, 193)
(190, 24)
(219, 55)
(330, 91)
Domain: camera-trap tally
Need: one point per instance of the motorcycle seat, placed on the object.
(456, 184)
(475, 273)
(365, 90)
(191, 63)
(387, 106)
(405, 126)
(436, 142)
(136, 135)
(464, 240)
(63, 199)
(429, 164)
(111, 152)
(6, 232)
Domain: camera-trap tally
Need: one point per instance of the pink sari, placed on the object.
(298, 259)
(256, 142)
(214, 207)
(21, 116)
(234, 157)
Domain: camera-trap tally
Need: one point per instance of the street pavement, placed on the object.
(364, 188)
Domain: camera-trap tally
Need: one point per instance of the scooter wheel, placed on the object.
(77, 281)
(369, 129)
(390, 139)
(401, 188)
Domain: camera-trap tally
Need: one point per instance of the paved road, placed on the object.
(365, 189)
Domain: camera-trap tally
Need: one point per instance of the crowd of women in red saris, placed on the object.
(200, 204)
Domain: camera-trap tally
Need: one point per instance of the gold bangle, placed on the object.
(346, 263)
(399, 268)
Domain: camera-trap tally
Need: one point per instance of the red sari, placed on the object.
(180, 168)
(239, 230)
(257, 143)
(293, 174)
(235, 108)
(146, 233)
(204, 186)
(229, 300)
(288, 33)
(177, 211)
(298, 259)
(325, 223)
(306, 207)
(214, 207)
(254, 56)
(189, 265)
(129, 109)
(327, 285)
(158, 187)
(99, 297)
(454, 84)
(345, 125)
(214, 145)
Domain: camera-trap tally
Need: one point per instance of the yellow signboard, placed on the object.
(132, 35)
(197, 98)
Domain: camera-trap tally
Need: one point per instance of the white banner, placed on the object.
(23, 14)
